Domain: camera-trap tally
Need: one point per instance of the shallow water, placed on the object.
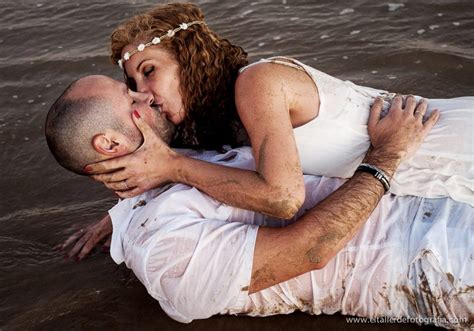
(424, 47)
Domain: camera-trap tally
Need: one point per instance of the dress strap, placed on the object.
(275, 60)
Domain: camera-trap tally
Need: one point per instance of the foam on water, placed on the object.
(346, 11)
(395, 6)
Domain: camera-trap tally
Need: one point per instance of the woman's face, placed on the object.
(156, 71)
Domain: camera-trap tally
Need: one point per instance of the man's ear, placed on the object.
(106, 145)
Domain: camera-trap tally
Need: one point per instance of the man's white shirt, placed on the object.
(413, 257)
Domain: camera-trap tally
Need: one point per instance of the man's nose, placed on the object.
(144, 97)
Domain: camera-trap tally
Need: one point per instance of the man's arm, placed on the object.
(308, 244)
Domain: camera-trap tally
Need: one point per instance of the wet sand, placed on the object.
(424, 48)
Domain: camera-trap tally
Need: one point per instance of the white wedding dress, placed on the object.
(335, 142)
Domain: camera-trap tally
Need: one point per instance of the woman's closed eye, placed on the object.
(147, 71)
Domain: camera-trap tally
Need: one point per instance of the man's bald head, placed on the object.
(82, 111)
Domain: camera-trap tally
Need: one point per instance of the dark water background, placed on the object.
(425, 47)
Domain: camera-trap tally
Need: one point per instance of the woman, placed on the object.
(296, 118)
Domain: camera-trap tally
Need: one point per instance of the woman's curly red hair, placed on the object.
(209, 68)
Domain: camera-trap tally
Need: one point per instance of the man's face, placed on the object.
(124, 101)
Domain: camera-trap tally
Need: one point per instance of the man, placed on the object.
(198, 257)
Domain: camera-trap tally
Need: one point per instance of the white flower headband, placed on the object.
(156, 41)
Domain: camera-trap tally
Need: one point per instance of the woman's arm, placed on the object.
(264, 95)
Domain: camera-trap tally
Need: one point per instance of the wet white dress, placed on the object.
(335, 142)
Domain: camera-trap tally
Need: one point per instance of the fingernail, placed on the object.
(136, 114)
(87, 168)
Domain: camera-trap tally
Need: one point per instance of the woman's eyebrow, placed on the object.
(138, 66)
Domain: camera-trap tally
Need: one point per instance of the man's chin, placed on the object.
(165, 131)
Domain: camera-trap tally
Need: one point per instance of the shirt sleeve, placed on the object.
(201, 267)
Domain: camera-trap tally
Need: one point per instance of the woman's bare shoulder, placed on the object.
(267, 85)
(259, 86)
(258, 73)
(268, 74)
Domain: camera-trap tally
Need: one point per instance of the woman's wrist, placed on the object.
(176, 161)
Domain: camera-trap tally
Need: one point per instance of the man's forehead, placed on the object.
(97, 85)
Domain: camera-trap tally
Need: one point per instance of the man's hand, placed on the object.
(402, 131)
(148, 167)
(83, 241)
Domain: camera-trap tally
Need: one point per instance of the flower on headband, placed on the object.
(156, 41)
